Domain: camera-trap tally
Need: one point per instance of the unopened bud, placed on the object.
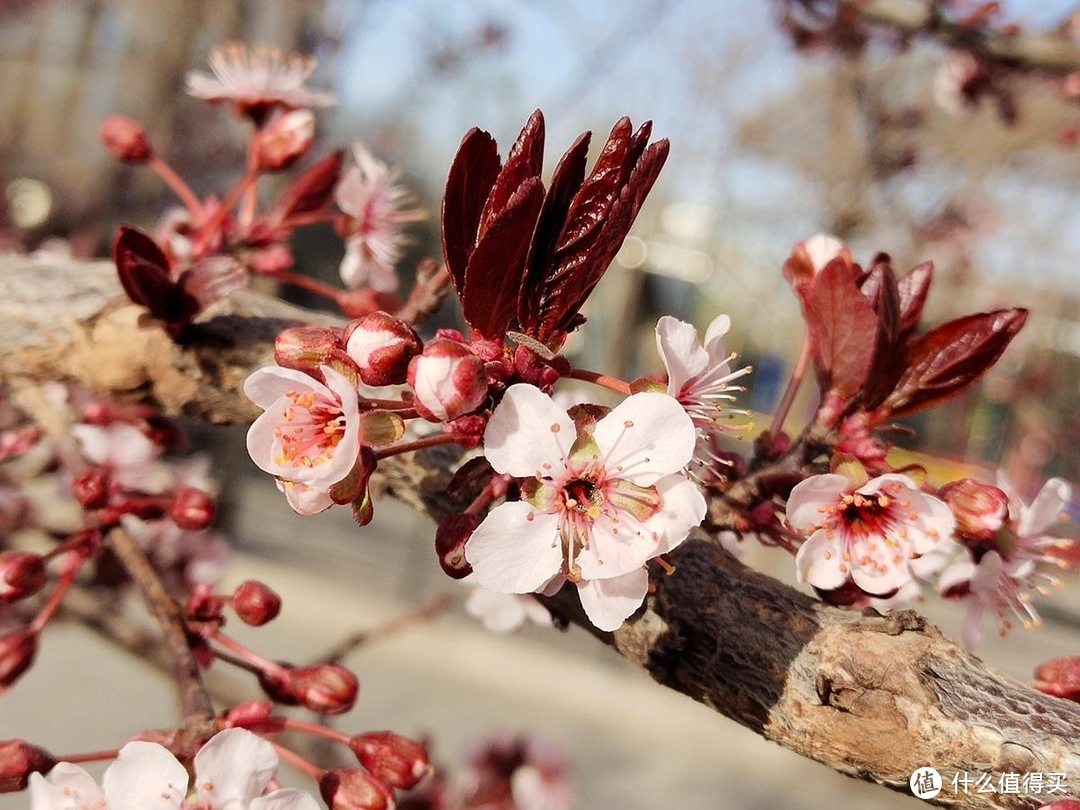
(203, 605)
(91, 488)
(255, 603)
(255, 715)
(125, 138)
(395, 760)
(192, 509)
(450, 538)
(981, 511)
(448, 380)
(19, 759)
(382, 346)
(325, 688)
(285, 140)
(17, 651)
(1060, 677)
(355, 790)
(809, 258)
(22, 574)
(364, 300)
(306, 348)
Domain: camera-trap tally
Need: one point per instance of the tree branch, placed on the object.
(870, 696)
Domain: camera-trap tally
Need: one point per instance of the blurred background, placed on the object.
(770, 144)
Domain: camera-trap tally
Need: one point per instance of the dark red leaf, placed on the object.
(843, 329)
(913, 288)
(145, 276)
(472, 175)
(496, 268)
(311, 190)
(565, 182)
(880, 288)
(525, 161)
(946, 360)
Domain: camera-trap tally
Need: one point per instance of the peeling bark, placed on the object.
(870, 696)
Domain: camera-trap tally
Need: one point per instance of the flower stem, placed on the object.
(178, 186)
(307, 283)
(320, 731)
(792, 389)
(90, 756)
(298, 762)
(421, 444)
(603, 380)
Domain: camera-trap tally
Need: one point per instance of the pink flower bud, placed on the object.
(192, 509)
(809, 258)
(450, 538)
(364, 300)
(355, 790)
(1060, 677)
(324, 688)
(306, 348)
(981, 511)
(255, 715)
(91, 488)
(448, 380)
(395, 760)
(255, 603)
(285, 140)
(19, 759)
(382, 346)
(125, 138)
(17, 651)
(22, 574)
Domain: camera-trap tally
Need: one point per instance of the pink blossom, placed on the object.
(599, 499)
(255, 80)
(202, 556)
(309, 434)
(700, 377)
(867, 533)
(377, 209)
(232, 772)
(131, 457)
(447, 379)
(504, 612)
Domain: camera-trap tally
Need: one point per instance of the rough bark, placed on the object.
(870, 696)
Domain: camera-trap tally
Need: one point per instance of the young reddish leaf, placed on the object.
(311, 190)
(525, 161)
(843, 329)
(144, 274)
(565, 182)
(472, 175)
(913, 288)
(496, 268)
(946, 360)
(880, 288)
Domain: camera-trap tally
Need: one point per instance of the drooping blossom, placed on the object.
(599, 499)
(866, 532)
(700, 378)
(504, 612)
(376, 210)
(309, 434)
(255, 80)
(232, 772)
(130, 456)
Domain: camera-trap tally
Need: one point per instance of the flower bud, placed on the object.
(382, 346)
(364, 300)
(448, 380)
(355, 790)
(17, 651)
(255, 603)
(192, 509)
(809, 258)
(306, 348)
(19, 759)
(1060, 677)
(91, 488)
(203, 605)
(22, 574)
(255, 715)
(286, 139)
(450, 538)
(395, 760)
(324, 688)
(125, 138)
(981, 511)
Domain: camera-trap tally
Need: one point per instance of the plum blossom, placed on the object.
(130, 456)
(257, 79)
(868, 532)
(232, 771)
(309, 434)
(600, 499)
(200, 557)
(504, 612)
(376, 210)
(700, 378)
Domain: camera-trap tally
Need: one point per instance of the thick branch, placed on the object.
(873, 697)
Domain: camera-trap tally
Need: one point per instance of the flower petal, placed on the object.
(682, 507)
(234, 767)
(679, 350)
(303, 499)
(268, 384)
(286, 799)
(644, 438)
(1046, 509)
(145, 776)
(68, 787)
(881, 581)
(516, 549)
(617, 547)
(93, 441)
(498, 612)
(936, 522)
(528, 435)
(818, 562)
(714, 338)
(608, 602)
(810, 497)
